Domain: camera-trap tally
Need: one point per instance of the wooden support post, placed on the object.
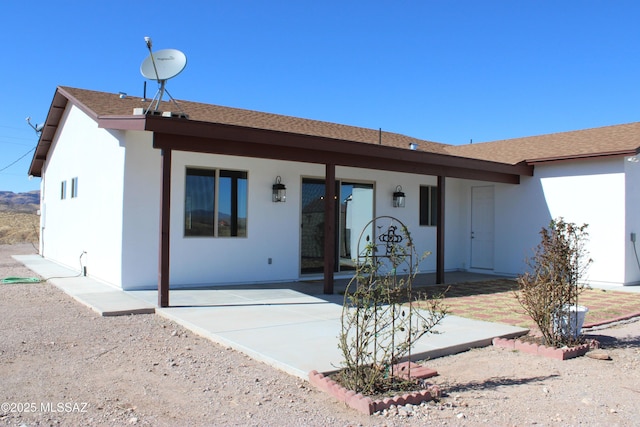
(329, 227)
(440, 232)
(165, 216)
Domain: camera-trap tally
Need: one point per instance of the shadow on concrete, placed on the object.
(457, 284)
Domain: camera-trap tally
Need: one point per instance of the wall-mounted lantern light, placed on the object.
(398, 197)
(279, 191)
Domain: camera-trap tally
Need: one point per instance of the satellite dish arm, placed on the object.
(147, 40)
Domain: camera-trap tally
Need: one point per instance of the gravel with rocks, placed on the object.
(62, 364)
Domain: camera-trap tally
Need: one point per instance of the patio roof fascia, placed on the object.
(216, 138)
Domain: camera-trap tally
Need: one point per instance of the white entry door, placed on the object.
(482, 227)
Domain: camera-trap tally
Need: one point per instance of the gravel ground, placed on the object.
(61, 364)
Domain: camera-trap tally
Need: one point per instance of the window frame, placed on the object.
(63, 189)
(238, 202)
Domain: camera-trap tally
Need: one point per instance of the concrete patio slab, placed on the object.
(284, 325)
(104, 299)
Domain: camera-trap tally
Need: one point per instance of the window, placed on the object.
(74, 187)
(215, 203)
(63, 190)
(428, 205)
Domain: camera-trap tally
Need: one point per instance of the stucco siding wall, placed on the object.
(515, 207)
(92, 221)
(521, 211)
(592, 192)
(632, 215)
(272, 228)
(141, 212)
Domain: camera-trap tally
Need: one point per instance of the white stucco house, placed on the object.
(144, 199)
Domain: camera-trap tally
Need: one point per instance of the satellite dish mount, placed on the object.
(37, 127)
(161, 66)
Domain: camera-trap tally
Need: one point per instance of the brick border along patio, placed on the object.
(494, 301)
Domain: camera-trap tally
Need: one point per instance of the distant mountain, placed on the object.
(21, 202)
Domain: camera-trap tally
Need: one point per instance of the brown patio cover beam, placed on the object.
(371, 157)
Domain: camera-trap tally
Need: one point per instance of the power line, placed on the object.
(5, 136)
(17, 160)
(2, 142)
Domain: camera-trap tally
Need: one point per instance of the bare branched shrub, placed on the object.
(380, 323)
(552, 285)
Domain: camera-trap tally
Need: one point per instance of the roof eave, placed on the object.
(58, 105)
(585, 156)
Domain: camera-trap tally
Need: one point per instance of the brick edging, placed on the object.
(615, 319)
(543, 350)
(365, 404)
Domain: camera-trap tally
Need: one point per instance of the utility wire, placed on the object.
(17, 160)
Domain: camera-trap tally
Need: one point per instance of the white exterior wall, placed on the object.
(92, 222)
(591, 192)
(632, 215)
(273, 229)
(115, 217)
(141, 212)
(521, 211)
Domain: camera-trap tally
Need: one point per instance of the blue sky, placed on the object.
(447, 71)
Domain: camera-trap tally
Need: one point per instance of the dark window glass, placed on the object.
(232, 204)
(200, 213)
(199, 202)
(428, 205)
(74, 187)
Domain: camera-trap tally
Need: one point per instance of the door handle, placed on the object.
(472, 236)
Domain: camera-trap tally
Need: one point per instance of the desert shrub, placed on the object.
(380, 323)
(553, 283)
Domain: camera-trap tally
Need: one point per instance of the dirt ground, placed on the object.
(61, 364)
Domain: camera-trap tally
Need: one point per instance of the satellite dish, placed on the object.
(163, 64)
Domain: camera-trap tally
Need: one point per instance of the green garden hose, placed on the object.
(7, 280)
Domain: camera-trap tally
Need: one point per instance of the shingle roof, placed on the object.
(596, 142)
(104, 104)
(609, 140)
